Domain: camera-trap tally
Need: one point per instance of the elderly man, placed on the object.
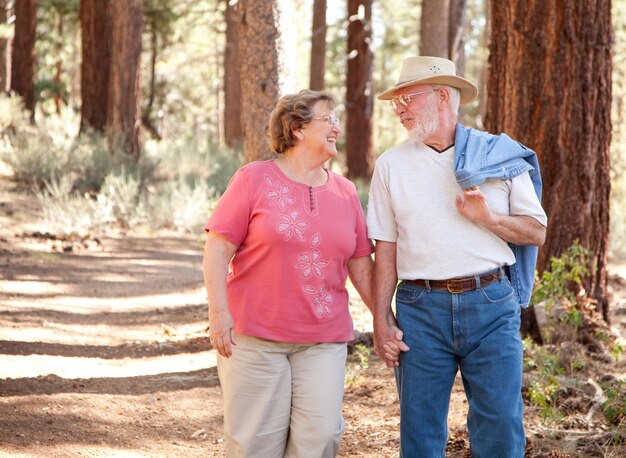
(457, 218)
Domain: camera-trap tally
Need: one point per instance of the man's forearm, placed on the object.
(521, 230)
(385, 279)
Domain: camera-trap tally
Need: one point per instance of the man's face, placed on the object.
(416, 107)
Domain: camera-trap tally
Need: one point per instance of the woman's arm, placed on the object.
(360, 272)
(217, 255)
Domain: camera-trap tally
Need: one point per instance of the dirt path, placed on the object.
(103, 352)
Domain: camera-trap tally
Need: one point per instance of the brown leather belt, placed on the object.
(457, 285)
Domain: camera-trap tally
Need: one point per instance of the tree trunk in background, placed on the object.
(94, 80)
(23, 56)
(232, 80)
(550, 88)
(260, 60)
(4, 66)
(433, 26)
(359, 94)
(318, 46)
(456, 34)
(123, 118)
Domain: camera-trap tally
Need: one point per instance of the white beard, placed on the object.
(426, 122)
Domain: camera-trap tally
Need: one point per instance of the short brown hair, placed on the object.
(291, 112)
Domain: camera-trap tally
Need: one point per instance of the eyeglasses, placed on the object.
(331, 119)
(405, 99)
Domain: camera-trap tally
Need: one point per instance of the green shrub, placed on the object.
(614, 408)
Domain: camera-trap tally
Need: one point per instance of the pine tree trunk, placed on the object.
(94, 80)
(359, 97)
(433, 28)
(456, 37)
(260, 50)
(123, 119)
(318, 46)
(23, 57)
(232, 80)
(4, 67)
(550, 88)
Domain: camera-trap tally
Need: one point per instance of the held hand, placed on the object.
(222, 332)
(473, 205)
(388, 342)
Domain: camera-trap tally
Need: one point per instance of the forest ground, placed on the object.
(104, 353)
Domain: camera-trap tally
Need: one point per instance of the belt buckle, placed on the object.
(451, 282)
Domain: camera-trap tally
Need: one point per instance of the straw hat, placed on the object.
(431, 70)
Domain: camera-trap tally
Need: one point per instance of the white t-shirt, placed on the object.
(411, 203)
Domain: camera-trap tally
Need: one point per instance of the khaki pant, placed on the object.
(282, 399)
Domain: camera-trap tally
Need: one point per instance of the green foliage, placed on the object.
(614, 408)
(565, 275)
(557, 288)
(615, 347)
(544, 388)
(64, 211)
(353, 371)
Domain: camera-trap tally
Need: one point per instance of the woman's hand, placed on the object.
(217, 254)
(222, 332)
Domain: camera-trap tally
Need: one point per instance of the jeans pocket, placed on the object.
(498, 292)
(408, 295)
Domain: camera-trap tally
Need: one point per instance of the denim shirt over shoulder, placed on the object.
(479, 156)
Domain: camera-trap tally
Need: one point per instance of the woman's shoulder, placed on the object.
(343, 183)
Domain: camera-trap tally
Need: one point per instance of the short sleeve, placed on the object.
(523, 200)
(232, 213)
(381, 221)
(364, 246)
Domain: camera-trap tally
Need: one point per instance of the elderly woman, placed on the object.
(291, 231)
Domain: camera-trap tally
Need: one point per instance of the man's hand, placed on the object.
(388, 341)
(473, 206)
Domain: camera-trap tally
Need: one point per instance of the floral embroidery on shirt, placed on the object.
(290, 226)
(321, 302)
(279, 194)
(310, 262)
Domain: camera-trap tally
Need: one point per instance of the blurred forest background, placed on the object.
(136, 113)
(129, 117)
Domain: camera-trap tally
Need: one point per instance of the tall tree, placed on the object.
(550, 87)
(123, 116)
(111, 35)
(232, 80)
(96, 35)
(318, 46)
(23, 55)
(261, 51)
(4, 65)
(359, 93)
(456, 34)
(439, 16)
(433, 27)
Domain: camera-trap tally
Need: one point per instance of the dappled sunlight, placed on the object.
(20, 366)
(86, 304)
(31, 288)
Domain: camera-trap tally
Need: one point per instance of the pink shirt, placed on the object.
(287, 278)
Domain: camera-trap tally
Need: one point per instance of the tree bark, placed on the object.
(318, 46)
(456, 34)
(433, 27)
(94, 80)
(4, 44)
(550, 88)
(232, 80)
(260, 60)
(359, 97)
(123, 119)
(23, 56)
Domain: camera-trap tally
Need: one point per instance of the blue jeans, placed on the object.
(477, 332)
